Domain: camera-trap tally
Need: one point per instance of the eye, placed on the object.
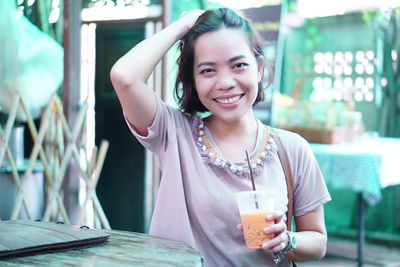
(240, 65)
(206, 71)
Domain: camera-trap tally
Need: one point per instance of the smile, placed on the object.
(229, 100)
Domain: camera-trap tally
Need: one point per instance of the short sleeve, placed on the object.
(309, 188)
(158, 130)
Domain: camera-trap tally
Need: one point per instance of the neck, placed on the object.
(242, 129)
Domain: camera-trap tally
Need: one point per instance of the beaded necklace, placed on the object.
(213, 157)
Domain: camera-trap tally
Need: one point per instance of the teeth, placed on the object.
(228, 100)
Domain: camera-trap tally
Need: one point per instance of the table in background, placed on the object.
(366, 167)
(122, 249)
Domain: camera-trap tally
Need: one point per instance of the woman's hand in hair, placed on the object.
(189, 18)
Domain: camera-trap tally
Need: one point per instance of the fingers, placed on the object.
(193, 12)
(276, 244)
(278, 229)
(276, 216)
(275, 229)
(189, 18)
(278, 226)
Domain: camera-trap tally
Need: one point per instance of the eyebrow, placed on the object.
(208, 63)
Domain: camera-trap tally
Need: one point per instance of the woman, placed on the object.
(203, 159)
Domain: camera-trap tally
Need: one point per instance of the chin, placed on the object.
(233, 116)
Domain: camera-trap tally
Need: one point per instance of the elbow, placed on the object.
(123, 81)
(321, 252)
(118, 79)
(311, 251)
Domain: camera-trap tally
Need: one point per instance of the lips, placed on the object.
(228, 100)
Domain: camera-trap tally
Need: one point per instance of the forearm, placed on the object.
(138, 64)
(309, 242)
(311, 245)
(131, 72)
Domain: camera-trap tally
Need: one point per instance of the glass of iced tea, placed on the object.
(254, 206)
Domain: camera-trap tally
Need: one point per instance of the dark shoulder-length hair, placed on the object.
(210, 21)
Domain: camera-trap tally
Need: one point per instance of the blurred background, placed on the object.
(65, 150)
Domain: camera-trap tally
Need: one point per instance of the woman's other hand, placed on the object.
(278, 229)
(280, 240)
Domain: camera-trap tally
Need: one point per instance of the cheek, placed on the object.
(256, 80)
(251, 82)
(201, 86)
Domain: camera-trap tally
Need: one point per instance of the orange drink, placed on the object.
(253, 229)
(254, 207)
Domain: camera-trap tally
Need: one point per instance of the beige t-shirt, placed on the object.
(195, 202)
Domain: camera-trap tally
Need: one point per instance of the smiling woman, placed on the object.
(211, 26)
(203, 160)
(226, 75)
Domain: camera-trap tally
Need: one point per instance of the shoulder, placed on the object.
(171, 112)
(169, 123)
(298, 150)
(291, 141)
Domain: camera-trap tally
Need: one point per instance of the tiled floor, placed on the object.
(331, 262)
(344, 253)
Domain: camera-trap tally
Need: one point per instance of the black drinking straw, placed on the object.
(251, 172)
(252, 178)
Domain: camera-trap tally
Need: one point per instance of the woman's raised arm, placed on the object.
(131, 72)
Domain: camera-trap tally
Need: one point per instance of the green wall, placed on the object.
(341, 33)
(328, 34)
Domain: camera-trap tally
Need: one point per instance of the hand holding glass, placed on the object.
(254, 206)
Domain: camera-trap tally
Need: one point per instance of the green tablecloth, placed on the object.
(369, 167)
(351, 166)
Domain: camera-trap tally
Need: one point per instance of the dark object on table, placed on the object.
(21, 238)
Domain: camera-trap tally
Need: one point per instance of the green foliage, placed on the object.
(87, 3)
(370, 16)
(292, 5)
(180, 6)
(39, 12)
(386, 27)
(299, 71)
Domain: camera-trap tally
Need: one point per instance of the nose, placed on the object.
(225, 81)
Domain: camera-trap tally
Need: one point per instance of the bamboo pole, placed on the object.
(99, 166)
(34, 134)
(94, 175)
(35, 152)
(68, 151)
(17, 181)
(9, 125)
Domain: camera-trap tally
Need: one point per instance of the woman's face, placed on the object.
(226, 73)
